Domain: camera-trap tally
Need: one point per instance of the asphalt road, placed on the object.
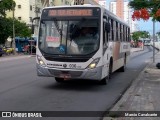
(22, 90)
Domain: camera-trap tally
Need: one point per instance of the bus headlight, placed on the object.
(40, 61)
(94, 63)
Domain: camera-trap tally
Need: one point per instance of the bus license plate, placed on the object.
(65, 76)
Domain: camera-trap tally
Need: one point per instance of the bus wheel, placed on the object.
(110, 70)
(59, 80)
(122, 69)
(104, 81)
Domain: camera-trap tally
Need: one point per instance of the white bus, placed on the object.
(65, 52)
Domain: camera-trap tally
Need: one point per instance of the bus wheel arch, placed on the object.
(105, 80)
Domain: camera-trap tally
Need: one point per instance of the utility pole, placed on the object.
(13, 42)
(154, 41)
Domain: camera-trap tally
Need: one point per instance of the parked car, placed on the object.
(8, 50)
(1, 52)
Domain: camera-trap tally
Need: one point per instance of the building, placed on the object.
(112, 7)
(117, 7)
(122, 10)
(81, 2)
(25, 10)
(103, 3)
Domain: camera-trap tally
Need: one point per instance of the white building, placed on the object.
(127, 14)
(112, 7)
(25, 10)
(103, 3)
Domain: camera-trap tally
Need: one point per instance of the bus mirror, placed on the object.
(107, 27)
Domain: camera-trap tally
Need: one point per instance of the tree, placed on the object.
(5, 30)
(140, 34)
(143, 9)
(6, 24)
(6, 5)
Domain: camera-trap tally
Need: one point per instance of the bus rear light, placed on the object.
(94, 63)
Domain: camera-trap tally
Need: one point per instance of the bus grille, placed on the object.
(73, 74)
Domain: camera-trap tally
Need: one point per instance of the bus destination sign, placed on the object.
(70, 12)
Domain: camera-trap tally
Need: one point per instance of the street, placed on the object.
(22, 90)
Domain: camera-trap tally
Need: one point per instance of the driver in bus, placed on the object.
(87, 39)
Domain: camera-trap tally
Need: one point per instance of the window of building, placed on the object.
(30, 19)
(19, 6)
(19, 18)
(30, 7)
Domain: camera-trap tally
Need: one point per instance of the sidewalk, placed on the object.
(136, 49)
(143, 95)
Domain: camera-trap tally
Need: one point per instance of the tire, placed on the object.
(105, 80)
(110, 70)
(59, 80)
(123, 68)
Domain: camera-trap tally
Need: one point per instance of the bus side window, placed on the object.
(124, 33)
(105, 33)
(121, 32)
(104, 36)
(112, 30)
(117, 31)
(110, 33)
(129, 37)
(127, 34)
(120, 29)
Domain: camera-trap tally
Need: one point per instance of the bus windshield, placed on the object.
(69, 37)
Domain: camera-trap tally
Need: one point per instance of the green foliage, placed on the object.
(5, 30)
(21, 29)
(6, 24)
(6, 5)
(151, 5)
(140, 34)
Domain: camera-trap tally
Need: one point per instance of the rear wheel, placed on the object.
(59, 80)
(122, 69)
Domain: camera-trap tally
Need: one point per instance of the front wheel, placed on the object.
(59, 80)
(105, 80)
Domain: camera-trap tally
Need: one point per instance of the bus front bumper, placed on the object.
(91, 74)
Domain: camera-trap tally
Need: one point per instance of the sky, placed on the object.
(146, 25)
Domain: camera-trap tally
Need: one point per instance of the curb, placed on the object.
(124, 97)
